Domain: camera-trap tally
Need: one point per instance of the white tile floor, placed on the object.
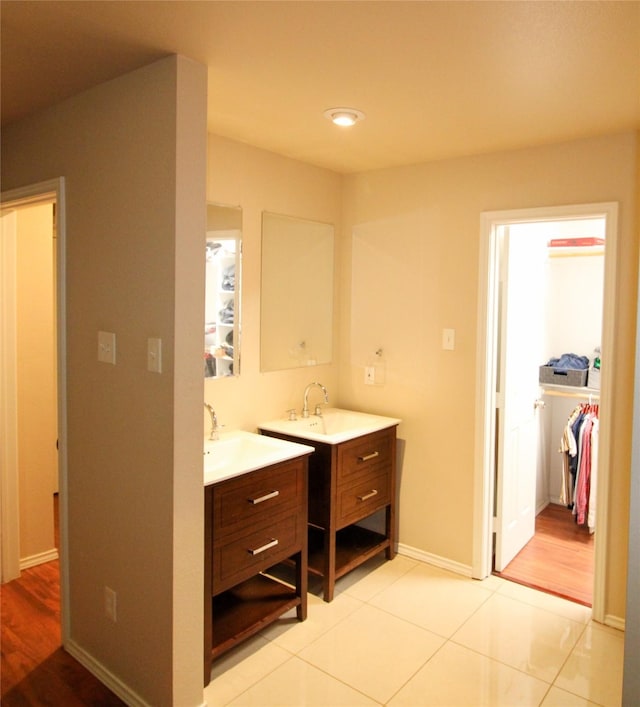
(406, 633)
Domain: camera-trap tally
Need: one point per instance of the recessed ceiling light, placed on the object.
(344, 116)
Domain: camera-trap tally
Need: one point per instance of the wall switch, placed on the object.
(110, 598)
(449, 339)
(154, 355)
(107, 347)
(369, 375)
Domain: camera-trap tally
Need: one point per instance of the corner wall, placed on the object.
(135, 187)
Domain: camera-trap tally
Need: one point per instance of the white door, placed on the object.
(521, 349)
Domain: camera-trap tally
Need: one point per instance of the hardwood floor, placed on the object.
(558, 559)
(34, 668)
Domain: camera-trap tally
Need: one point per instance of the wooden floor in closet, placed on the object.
(558, 559)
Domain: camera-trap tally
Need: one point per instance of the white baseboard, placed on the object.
(126, 694)
(105, 676)
(614, 622)
(457, 567)
(39, 559)
(542, 505)
(436, 560)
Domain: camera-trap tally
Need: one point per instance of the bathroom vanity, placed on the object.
(352, 475)
(255, 518)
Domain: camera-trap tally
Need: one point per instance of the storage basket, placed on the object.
(568, 376)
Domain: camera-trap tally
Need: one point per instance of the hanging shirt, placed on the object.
(569, 447)
(584, 474)
(591, 515)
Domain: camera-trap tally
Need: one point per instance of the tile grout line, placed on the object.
(491, 592)
(426, 662)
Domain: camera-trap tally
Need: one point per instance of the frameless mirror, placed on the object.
(222, 293)
(296, 318)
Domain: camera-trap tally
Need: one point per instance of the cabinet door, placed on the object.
(242, 557)
(370, 493)
(364, 455)
(257, 520)
(248, 500)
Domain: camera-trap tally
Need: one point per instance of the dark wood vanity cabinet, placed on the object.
(252, 523)
(348, 482)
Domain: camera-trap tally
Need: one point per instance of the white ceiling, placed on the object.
(435, 79)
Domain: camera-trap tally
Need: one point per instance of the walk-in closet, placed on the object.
(559, 558)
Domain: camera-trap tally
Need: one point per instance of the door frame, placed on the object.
(487, 357)
(33, 194)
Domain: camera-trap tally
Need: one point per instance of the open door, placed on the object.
(48, 192)
(522, 268)
(492, 311)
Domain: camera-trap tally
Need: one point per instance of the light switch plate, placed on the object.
(154, 355)
(107, 347)
(449, 339)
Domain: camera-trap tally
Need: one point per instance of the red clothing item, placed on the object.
(584, 474)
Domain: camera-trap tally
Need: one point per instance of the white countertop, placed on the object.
(238, 452)
(332, 427)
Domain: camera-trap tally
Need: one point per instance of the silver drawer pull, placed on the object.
(258, 550)
(266, 497)
(366, 457)
(369, 495)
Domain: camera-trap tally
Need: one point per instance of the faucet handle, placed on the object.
(318, 410)
(292, 414)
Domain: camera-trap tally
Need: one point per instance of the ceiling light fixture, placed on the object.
(344, 116)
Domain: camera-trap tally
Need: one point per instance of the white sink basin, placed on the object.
(333, 427)
(238, 452)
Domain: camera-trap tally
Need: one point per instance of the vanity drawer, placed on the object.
(249, 500)
(366, 496)
(364, 455)
(243, 557)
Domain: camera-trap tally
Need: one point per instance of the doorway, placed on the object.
(36, 199)
(28, 233)
(551, 303)
(490, 528)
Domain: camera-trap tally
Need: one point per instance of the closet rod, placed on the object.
(581, 393)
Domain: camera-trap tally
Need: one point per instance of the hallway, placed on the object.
(35, 670)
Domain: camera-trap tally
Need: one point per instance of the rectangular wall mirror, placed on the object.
(296, 317)
(222, 293)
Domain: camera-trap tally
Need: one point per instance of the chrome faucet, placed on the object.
(214, 422)
(305, 407)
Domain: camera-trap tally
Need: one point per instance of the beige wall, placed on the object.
(134, 164)
(417, 230)
(426, 274)
(430, 215)
(258, 181)
(135, 267)
(36, 380)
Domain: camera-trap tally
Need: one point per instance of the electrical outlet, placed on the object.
(110, 599)
(369, 375)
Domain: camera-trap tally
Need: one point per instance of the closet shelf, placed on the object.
(575, 252)
(569, 391)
